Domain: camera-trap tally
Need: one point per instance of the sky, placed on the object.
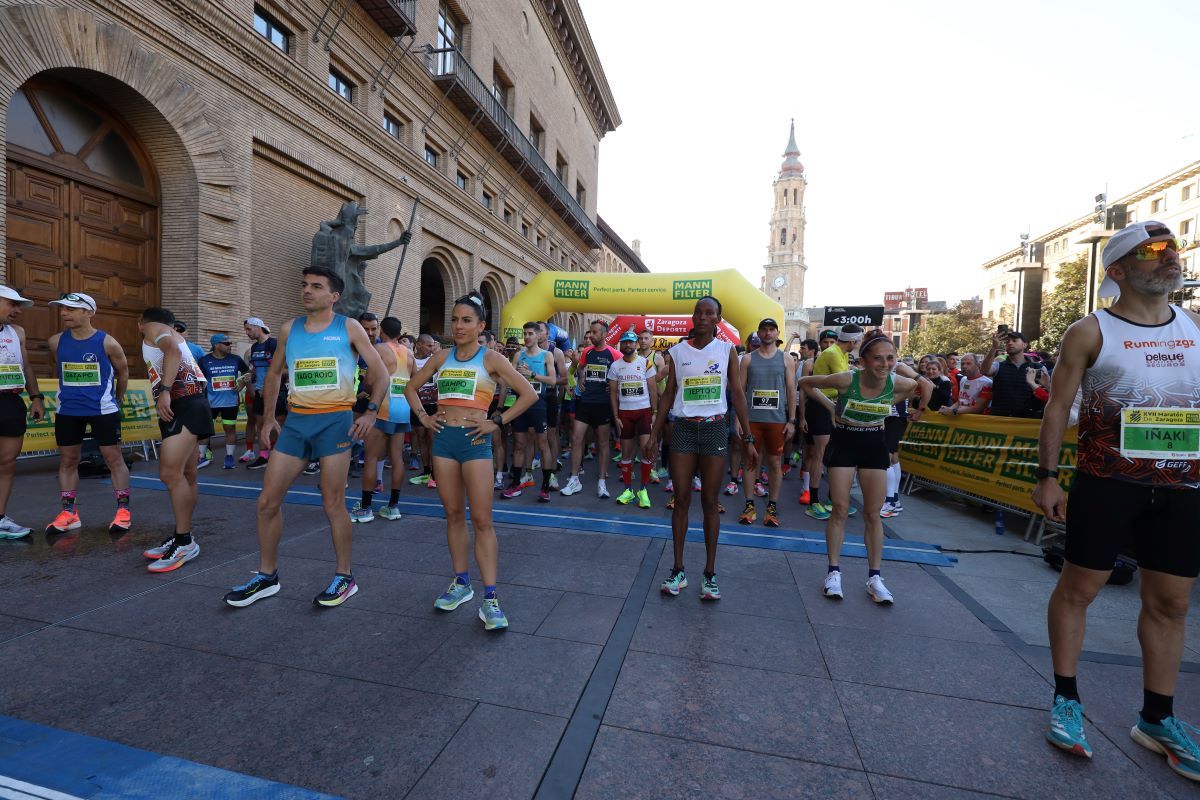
(933, 133)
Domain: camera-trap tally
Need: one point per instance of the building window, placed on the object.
(560, 168)
(447, 40)
(991, 294)
(487, 201)
(524, 229)
(431, 156)
(795, 196)
(1185, 227)
(541, 242)
(508, 216)
(580, 194)
(1156, 205)
(461, 180)
(1185, 194)
(270, 29)
(562, 260)
(537, 134)
(392, 126)
(341, 84)
(501, 86)
(782, 237)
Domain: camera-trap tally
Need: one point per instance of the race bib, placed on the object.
(868, 408)
(456, 384)
(633, 388)
(86, 373)
(398, 386)
(535, 383)
(594, 373)
(1172, 433)
(11, 376)
(702, 390)
(315, 374)
(223, 383)
(765, 399)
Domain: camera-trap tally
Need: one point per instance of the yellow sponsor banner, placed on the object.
(990, 457)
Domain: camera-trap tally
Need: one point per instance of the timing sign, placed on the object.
(853, 315)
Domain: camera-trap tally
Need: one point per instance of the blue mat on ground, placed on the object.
(626, 524)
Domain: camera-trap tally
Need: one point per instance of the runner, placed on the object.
(655, 359)
(633, 394)
(702, 368)
(1137, 485)
(92, 376)
(466, 377)
(226, 375)
(204, 450)
(864, 398)
(893, 431)
(593, 409)
(553, 397)
(184, 417)
(260, 356)
(536, 367)
(370, 324)
(386, 438)
(427, 393)
(770, 383)
(16, 375)
(808, 351)
(815, 419)
(320, 351)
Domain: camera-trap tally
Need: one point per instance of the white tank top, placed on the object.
(188, 379)
(1139, 418)
(701, 376)
(12, 369)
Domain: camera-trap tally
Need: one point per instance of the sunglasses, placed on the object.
(1152, 251)
(76, 298)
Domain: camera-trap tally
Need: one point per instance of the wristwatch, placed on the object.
(1041, 472)
(749, 438)
(372, 406)
(498, 419)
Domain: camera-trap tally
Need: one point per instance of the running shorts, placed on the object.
(860, 448)
(552, 407)
(533, 418)
(594, 415)
(893, 431)
(769, 436)
(13, 415)
(391, 428)
(705, 437)
(820, 421)
(69, 429)
(1154, 524)
(191, 413)
(311, 437)
(458, 444)
(228, 414)
(635, 423)
(281, 406)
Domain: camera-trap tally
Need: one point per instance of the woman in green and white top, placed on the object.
(864, 400)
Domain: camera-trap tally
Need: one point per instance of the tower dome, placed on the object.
(791, 161)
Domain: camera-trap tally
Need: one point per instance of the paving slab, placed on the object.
(732, 562)
(888, 788)
(581, 617)
(756, 597)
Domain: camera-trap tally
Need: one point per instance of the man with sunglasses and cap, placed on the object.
(16, 375)
(1136, 487)
(92, 376)
(770, 385)
(226, 374)
(1012, 396)
(633, 394)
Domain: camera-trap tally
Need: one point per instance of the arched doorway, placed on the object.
(490, 303)
(82, 205)
(433, 298)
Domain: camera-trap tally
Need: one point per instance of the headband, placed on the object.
(843, 336)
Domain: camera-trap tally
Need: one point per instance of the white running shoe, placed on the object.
(174, 557)
(573, 486)
(695, 483)
(888, 510)
(833, 585)
(601, 489)
(499, 481)
(11, 530)
(554, 481)
(879, 593)
(247, 456)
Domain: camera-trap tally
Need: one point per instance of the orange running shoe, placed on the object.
(805, 499)
(749, 514)
(121, 521)
(771, 516)
(65, 521)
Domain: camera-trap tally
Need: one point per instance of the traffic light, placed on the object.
(1117, 217)
(1101, 207)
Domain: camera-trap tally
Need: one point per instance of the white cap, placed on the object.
(1122, 243)
(76, 300)
(12, 294)
(258, 322)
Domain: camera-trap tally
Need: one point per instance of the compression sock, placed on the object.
(804, 482)
(122, 497)
(462, 578)
(1156, 707)
(546, 473)
(1066, 687)
(68, 500)
(893, 482)
(871, 573)
(366, 498)
(627, 473)
(647, 468)
(833, 568)
(395, 498)
(489, 592)
(379, 471)
(183, 539)
(229, 448)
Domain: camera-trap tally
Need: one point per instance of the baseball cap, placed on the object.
(1122, 243)
(12, 294)
(258, 322)
(75, 300)
(1018, 335)
(179, 325)
(768, 323)
(753, 339)
(629, 336)
(218, 338)
(828, 335)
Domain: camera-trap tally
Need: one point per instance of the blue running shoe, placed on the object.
(229, 463)
(1173, 738)
(493, 618)
(1066, 727)
(454, 597)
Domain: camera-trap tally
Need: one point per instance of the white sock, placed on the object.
(804, 487)
(893, 480)
(201, 446)
(229, 448)
(379, 471)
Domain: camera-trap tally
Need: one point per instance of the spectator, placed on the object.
(1012, 395)
(974, 390)
(942, 395)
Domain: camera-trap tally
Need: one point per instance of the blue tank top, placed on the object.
(86, 385)
(536, 365)
(322, 366)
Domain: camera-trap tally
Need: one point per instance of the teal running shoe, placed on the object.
(709, 590)
(493, 618)
(390, 512)
(626, 497)
(454, 597)
(675, 583)
(850, 512)
(817, 511)
(360, 514)
(1172, 738)
(1066, 727)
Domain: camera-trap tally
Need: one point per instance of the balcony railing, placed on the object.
(395, 17)
(471, 95)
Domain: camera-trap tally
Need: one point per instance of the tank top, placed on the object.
(595, 362)
(427, 391)
(188, 380)
(536, 365)
(1139, 420)
(259, 356)
(465, 384)
(632, 379)
(12, 368)
(856, 411)
(86, 386)
(766, 388)
(701, 377)
(395, 404)
(322, 366)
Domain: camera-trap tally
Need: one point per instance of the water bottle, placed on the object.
(999, 522)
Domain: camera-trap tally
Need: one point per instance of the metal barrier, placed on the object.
(1038, 529)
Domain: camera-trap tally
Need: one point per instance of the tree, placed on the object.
(961, 330)
(1065, 304)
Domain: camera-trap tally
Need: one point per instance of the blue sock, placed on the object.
(463, 578)
(489, 592)
(871, 573)
(833, 569)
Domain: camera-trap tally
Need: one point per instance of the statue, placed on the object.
(334, 248)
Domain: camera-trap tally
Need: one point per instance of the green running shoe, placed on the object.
(1066, 727)
(851, 511)
(493, 618)
(417, 480)
(626, 497)
(454, 597)
(1172, 738)
(675, 583)
(390, 512)
(643, 498)
(817, 511)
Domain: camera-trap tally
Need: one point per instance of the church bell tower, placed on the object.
(784, 271)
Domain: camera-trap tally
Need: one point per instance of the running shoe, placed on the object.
(261, 463)
(121, 521)
(695, 483)
(339, 590)
(879, 593)
(378, 487)
(674, 583)
(805, 497)
(643, 498)
(749, 514)
(670, 487)
(833, 585)
(626, 497)
(771, 516)
(663, 472)
(589, 454)
(312, 468)
(616, 459)
(204, 460)
(887, 510)
(493, 618)
(543, 495)
(731, 488)
(527, 480)
(11, 530)
(1172, 738)
(511, 492)
(499, 484)
(417, 480)
(573, 487)
(431, 483)
(760, 490)
(537, 463)
(229, 462)
(414, 464)
(850, 512)
(455, 596)
(654, 477)
(817, 511)
(720, 508)
(671, 503)
(554, 481)
(252, 591)
(1066, 727)
(360, 514)
(390, 512)
(897, 506)
(174, 557)
(247, 457)
(602, 489)
(709, 590)
(157, 552)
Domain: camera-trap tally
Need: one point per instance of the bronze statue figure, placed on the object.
(334, 248)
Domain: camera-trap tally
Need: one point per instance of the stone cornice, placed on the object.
(568, 33)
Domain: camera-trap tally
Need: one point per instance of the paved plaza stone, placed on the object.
(602, 688)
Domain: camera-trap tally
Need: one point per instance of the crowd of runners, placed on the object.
(479, 417)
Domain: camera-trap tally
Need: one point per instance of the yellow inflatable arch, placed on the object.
(743, 306)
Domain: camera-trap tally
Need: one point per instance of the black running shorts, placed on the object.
(69, 430)
(12, 415)
(191, 412)
(702, 437)
(860, 448)
(818, 419)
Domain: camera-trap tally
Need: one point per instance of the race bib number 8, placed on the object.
(765, 399)
(11, 376)
(1160, 433)
(702, 390)
(315, 374)
(456, 384)
(85, 373)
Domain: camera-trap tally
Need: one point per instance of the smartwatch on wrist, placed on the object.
(1042, 473)
(33, 397)
(372, 407)
(749, 438)
(498, 419)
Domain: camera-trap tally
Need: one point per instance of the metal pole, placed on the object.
(403, 252)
